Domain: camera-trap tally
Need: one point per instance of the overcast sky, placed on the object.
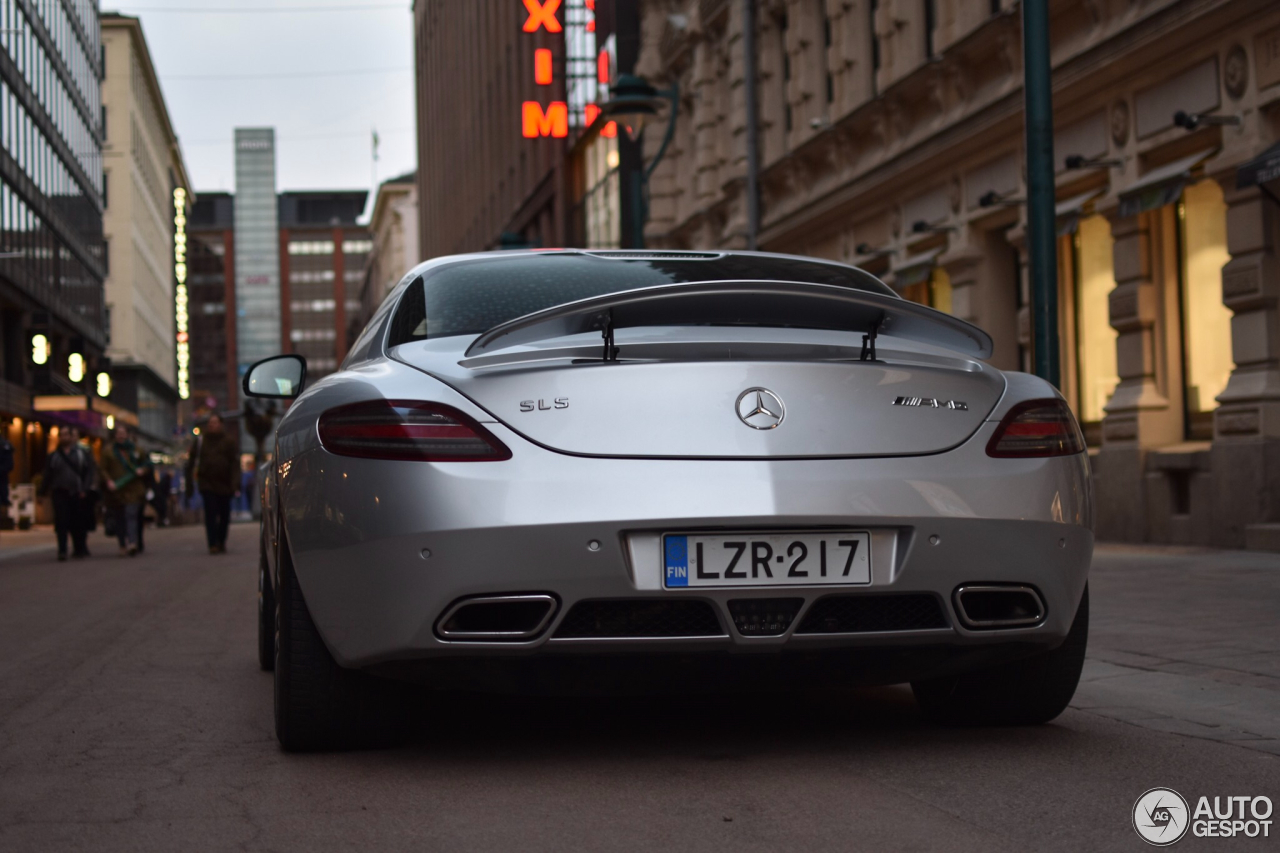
(322, 79)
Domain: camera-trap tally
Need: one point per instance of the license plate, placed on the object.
(767, 559)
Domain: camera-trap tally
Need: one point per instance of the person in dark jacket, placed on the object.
(124, 472)
(68, 477)
(6, 465)
(164, 485)
(214, 469)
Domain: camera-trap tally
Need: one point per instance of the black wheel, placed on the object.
(266, 617)
(1023, 692)
(318, 704)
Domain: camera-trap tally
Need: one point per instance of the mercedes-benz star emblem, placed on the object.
(760, 408)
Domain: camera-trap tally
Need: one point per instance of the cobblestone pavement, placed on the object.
(133, 717)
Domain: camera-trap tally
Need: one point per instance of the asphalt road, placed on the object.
(133, 717)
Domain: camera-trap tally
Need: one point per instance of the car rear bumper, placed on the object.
(383, 550)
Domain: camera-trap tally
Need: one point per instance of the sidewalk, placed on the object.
(17, 543)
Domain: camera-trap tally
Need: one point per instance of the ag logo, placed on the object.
(1161, 816)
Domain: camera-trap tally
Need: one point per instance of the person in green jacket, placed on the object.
(124, 471)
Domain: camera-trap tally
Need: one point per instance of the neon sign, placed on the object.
(535, 120)
(555, 118)
(180, 301)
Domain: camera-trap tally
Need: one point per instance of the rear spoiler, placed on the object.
(742, 303)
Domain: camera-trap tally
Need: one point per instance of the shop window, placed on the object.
(1206, 322)
(1093, 278)
(934, 291)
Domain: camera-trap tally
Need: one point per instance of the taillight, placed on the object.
(1037, 428)
(408, 431)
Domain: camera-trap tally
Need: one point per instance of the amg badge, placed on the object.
(931, 403)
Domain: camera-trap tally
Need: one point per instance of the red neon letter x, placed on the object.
(542, 13)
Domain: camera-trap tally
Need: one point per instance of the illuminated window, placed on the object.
(1206, 322)
(311, 247)
(599, 204)
(1092, 278)
(933, 290)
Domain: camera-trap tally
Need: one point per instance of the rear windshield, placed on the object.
(473, 297)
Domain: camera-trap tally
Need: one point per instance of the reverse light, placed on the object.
(1037, 428)
(409, 431)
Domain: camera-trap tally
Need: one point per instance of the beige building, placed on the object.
(394, 228)
(147, 200)
(891, 136)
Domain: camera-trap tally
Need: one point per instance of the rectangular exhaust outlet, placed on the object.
(992, 606)
(497, 618)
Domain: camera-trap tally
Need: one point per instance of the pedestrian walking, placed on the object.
(6, 466)
(213, 468)
(68, 478)
(124, 470)
(164, 486)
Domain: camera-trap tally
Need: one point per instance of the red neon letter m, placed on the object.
(554, 122)
(542, 13)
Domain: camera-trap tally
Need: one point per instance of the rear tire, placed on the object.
(266, 617)
(318, 704)
(1024, 692)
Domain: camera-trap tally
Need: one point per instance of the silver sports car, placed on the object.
(568, 466)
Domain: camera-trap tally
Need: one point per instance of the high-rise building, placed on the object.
(147, 200)
(257, 256)
(323, 254)
(53, 336)
(211, 280)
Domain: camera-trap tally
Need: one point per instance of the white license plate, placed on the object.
(767, 559)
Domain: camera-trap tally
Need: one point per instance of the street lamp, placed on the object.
(634, 103)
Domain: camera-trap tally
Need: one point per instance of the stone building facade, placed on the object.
(147, 196)
(393, 227)
(891, 136)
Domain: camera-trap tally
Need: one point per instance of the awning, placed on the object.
(1161, 186)
(914, 269)
(1068, 211)
(82, 410)
(1261, 169)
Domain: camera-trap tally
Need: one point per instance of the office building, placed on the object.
(147, 201)
(53, 336)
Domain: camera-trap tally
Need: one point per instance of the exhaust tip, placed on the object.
(497, 618)
(991, 606)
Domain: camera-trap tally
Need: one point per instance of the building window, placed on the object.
(1206, 322)
(875, 43)
(305, 305)
(312, 335)
(311, 247)
(933, 290)
(930, 22)
(826, 52)
(356, 247)
(599, 207)
(310, 276)
(1093, 279)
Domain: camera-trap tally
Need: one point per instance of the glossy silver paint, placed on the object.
(654, 444)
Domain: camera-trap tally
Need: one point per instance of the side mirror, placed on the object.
(278, 377)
